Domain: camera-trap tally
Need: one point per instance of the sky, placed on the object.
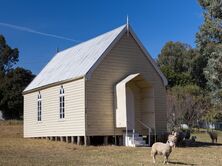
(38, 27)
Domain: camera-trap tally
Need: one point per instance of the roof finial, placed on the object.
(127, 24)
(57, 49)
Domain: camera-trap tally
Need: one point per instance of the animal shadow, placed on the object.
(205, 144)
(180, 163)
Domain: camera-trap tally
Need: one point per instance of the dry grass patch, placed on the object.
(14, 150)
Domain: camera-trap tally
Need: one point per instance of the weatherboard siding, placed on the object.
(124, 59)
(51, 125)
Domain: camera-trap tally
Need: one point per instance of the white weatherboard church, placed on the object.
(107, 89)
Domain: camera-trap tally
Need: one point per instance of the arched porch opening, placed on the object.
(135, 111)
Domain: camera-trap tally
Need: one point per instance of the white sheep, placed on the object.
(213, 136)
(162, 149)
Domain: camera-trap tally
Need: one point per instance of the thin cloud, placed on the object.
(25, 29)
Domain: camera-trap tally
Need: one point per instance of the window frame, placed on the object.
(39, 108)
(61, 103)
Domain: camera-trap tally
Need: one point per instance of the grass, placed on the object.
(15, 150)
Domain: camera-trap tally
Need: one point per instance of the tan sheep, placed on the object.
(173, 138)
(213, 136)
(160, 148)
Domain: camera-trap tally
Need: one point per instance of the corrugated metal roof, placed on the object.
(83, 58)
(75, 61)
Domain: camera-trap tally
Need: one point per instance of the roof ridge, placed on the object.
(90, 39)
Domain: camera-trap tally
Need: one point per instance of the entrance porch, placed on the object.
(135, 112)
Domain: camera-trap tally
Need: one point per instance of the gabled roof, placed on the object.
(82, 59)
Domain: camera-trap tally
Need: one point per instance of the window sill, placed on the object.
(61, 120)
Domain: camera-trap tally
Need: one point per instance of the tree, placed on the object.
(209, 40)
(175, 61)
(12, 81)
(186, 104)
(211, 30)
(8, 56)
(12, 101)
(212, 115)
(188, 69)
(213, 73)
(175, 55)
(197, 72)
(176, 78)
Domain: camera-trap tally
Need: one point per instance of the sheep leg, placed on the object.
(164, 162)
(165, 159)
(154, 158)
(153, 155)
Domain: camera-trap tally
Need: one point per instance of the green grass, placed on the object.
(15, 150)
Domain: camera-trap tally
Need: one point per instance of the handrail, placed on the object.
(133, 137)
(149, 129)
(144, 124)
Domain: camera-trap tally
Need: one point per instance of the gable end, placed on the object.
(139, 43)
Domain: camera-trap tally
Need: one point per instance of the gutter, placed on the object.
(51, 85)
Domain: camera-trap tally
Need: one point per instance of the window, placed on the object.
(39, 107)
(61, 103)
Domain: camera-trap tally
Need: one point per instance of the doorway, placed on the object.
(130, 107)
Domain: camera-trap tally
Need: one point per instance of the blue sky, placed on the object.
(154, 21)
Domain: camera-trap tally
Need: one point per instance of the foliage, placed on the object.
(197, 73)
(175, 55)
(13, 81)
(175, 78)
(211, 31)
(209, 42)
(213, 73)
(212, 115)
(8, 56)
(175, 61)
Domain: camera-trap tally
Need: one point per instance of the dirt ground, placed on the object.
(15, 150)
